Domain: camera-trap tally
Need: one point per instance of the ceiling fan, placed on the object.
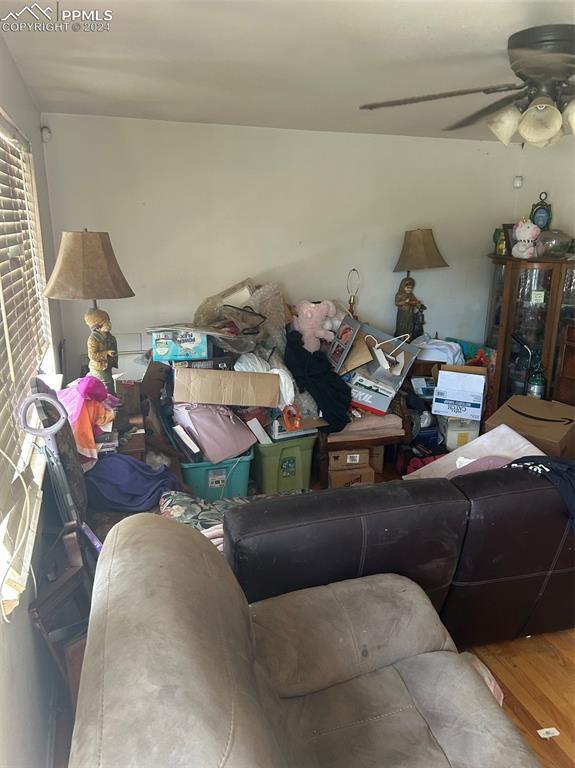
(542, 106)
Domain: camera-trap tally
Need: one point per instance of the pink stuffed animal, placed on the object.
(526, 233)
(309, 319)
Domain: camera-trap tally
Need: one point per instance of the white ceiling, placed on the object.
(304, 64)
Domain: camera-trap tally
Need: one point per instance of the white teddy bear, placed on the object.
(526, 233)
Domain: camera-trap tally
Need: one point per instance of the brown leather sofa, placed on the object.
(181, 672)
(494, 551)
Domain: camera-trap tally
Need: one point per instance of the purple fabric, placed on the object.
(124, 484)
(87, 388)
(480, 465)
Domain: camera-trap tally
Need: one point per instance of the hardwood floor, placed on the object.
(537, 676)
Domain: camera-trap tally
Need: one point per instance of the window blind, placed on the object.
(24, 341)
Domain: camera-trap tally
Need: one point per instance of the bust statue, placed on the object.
(410, 318)
(102, 347)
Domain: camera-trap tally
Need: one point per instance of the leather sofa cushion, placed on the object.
(288, 543)
(517, 560)
(319, 637)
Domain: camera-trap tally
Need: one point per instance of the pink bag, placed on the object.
(217, 430)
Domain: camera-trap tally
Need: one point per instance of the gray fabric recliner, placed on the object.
(180, 672)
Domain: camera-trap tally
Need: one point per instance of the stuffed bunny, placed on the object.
(309, 319)
(333, 323)
(526, 233)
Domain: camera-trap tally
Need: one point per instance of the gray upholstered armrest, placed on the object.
(414, 529)
(316, 638)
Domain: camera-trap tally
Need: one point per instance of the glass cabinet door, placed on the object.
(567, 310)
(495, 305)
(566, 313)
(527, 326)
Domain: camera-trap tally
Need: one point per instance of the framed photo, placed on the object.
(343, 341)
(509, 237)
(541, 212)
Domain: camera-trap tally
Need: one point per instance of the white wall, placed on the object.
(193, 208)
(24, 665)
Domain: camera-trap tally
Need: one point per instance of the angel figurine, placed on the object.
(102, 347)
(410, 317)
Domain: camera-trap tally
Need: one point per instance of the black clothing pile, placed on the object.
(313, 373)
(560, 472)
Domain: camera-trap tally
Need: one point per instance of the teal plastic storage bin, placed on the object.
(219, 481)
(285, 465)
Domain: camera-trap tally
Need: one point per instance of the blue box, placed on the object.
(170, 346)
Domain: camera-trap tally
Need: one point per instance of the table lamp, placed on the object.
(419, 252)
(86, 268)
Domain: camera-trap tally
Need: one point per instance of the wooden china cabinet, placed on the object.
(533, 301)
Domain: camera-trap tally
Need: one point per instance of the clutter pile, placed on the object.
(250, 387)
(232, 403)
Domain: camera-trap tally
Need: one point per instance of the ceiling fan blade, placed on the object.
(491, 109)
(446, 95)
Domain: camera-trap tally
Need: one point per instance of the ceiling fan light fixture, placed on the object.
(553, 140)
(504, 123)
(569, 117)
(540, 122)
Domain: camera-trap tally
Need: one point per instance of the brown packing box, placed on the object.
(472, 369)
(377, 458)
(345, 478)
(350, 459)
(548, 425)
(197, 385)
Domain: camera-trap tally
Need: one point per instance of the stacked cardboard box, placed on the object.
(350, 467)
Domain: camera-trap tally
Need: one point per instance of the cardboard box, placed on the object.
(374, 395)
(195, 385)
(349, 459)
(460, 391)
(277, 429)
(547, 424)
(486, 356)
(369, 399)
(180, 345)
(377, 458)
(345, 478)
(223, 363)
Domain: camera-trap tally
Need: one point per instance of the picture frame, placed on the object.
(541, 212)
(343, 341)
(510, 239)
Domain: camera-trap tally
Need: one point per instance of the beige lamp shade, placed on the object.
(419, 252)
(504, 123)
(86, 268)
(569, 117)
(540, 122)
